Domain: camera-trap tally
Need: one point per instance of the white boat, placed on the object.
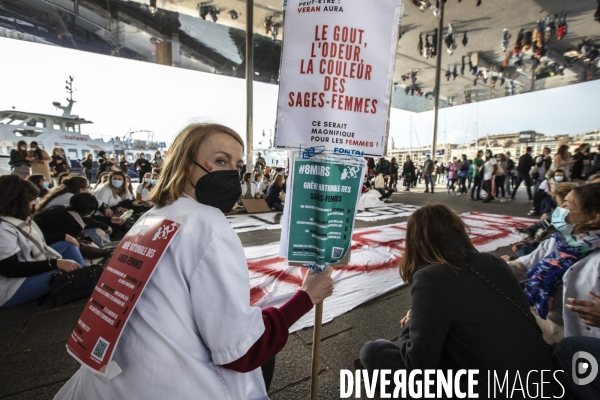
(273, 157)
(65, 131)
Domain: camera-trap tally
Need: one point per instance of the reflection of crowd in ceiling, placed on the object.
(526, 55)
(206, 41)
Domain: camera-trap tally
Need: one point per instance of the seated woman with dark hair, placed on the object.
(61, 195)
(74, 220)
(468, 310)
(26, 261)
(40, 181)
(273, 192)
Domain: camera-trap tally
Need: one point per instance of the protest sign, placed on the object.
(337, 72)
(99, 328)
(324, 186)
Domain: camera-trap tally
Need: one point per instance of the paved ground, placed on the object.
(34, 363)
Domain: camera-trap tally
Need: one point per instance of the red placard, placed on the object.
(99, 328)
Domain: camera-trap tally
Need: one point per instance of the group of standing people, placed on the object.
(26, 160)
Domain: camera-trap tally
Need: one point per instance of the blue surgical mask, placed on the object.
(45, 184)
(559, 178)
(116, 183)
(147, 180)
(154, 182)
(559, 221)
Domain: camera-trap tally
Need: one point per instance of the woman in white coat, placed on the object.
(571, 259)
(114, 191)
(193, 333)
(249, 188)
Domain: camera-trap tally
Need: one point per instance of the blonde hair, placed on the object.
(174, 180)
(278, 181)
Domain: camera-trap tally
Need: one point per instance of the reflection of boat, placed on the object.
(273, 157)
(65, 131)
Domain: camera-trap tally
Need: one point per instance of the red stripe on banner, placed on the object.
(485, 229)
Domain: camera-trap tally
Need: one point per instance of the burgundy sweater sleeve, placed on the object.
(277, 324)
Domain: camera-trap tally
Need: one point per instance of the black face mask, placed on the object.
(219, 189)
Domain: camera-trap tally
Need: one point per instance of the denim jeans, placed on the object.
(68, 251)
(32, 288)
(277, 206)
(523, 178)
(476, 189)
(428, 181)
(462, 184)
(500, 183)
(563, 359)
(508, 184)
(407, 180)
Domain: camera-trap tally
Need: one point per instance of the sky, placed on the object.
(121, 95)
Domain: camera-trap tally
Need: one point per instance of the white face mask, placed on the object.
(559, 178)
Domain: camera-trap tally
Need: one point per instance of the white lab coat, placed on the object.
(582, 278)
(105, 195)
(193, 316)
(253, 189)
(263, 186)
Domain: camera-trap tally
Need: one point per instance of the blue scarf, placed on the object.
(547, 274)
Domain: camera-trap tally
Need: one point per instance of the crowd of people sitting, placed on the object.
(57, 221)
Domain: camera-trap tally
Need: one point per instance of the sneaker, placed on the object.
(502, 200)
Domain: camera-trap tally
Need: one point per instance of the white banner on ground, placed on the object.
(373, 271)
(337, 72)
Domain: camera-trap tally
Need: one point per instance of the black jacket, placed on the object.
(16, 159)
(525, 164)
(460, 322)
(273, 195)
(56, 222)
(87, 164)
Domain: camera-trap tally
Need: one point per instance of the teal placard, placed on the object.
(324, 198)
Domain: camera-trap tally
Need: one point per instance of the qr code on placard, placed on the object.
(100, 349)
(337, 252)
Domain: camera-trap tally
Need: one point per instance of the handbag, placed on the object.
(66, 287)
(501, 293)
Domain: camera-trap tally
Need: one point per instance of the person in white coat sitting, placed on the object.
(263, 186)
(571, 259)
(114, 192)
(249, 188)
(193, 333)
